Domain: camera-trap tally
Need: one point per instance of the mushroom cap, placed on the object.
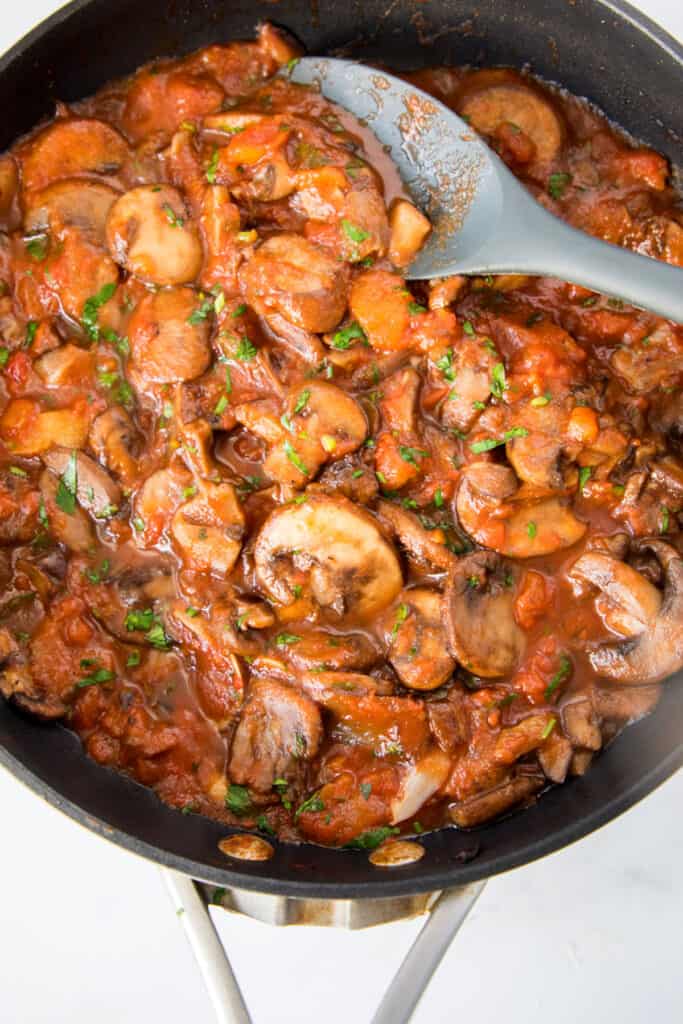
(352, 567)
(479, 616)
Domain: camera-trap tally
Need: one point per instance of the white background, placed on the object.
(591, 934)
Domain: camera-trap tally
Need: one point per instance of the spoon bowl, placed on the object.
(483, 220)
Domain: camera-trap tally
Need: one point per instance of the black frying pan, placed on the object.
(596, 48)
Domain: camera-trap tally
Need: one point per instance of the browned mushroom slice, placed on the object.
(317, 649)
(418, 541)
(18, 685)
(155, 503)
(278, 730)
(479, 616)
(149, 233)
(614, 703)
(73, 204)
(628, 602)
(349, 564)
(73, 530)
(165, 346)
(208, 529)
(475, 810)
(491, 101)
(290, 276)
(657, 652)
(95, 490)
(555, 756)
(112, 438)
(72, 147)
(409, 228)
(416, 639)
(530, 528)
(580, 724)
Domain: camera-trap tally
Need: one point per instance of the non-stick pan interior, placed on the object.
(600, 50)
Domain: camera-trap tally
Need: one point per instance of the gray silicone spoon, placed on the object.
(484, 221)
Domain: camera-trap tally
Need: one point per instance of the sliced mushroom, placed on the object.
(580, 724)
(31, 431)
(165, 346)
(420, 782)
(350, 566)
(555, 756)
(156, 502)
(67, 365)
(150, 234)
(279, 728)
(479, 616)
(321, 423)
(18, 685)
(73, 530)
(112, 438)
(291, 276)
(493, 99)
(628, 602)
(419, 542)
(71, 147)
(74, 203)
(316, 649)
(657, 652)
(614, 703)
(95, 490)
(475, 810)
(208, 529)
(416, 640)
(529, 528)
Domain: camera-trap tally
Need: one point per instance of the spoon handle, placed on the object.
(531, 240)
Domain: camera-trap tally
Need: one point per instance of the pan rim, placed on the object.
(385, 885)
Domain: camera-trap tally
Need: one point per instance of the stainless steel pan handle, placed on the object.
(446, 914)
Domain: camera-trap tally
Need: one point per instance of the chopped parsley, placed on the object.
(498, 380)
(237, 800)
(488, 443)
(557, 183)
(31, 329)
(212, 166)
(102, 675)
(302, 401)
(92, 308)
(445, 364)
(202, 311)
(171, 216)
(68, 487)
(411, 455)
(438, 498)
(311, 805)
(664, 521)
(373, 838)
(245, 350)
(286, 639)
(540, 400)
(4, 355)
(37, 247)
(353, 232)
(343, 338)
(560, 676)
(294, 458)
(584, 476)
(531, 529)
(468, 328)
(239, 311)
(402, 613)
(549, 728)
(133, 659)
(415, 308)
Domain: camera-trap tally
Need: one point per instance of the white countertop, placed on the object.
(593, 933)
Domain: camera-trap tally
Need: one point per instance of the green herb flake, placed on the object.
(354, 233)
(563, 673)
(665, 520)
(366, 790)
(557, 183)
(531, 529)
(584, 476)
(139, 620)
(171, 216)
(201, 313)
(37, 247)
(373, 838)
(549, 728)
(91, 309)
(415, 308)
(263, 826)
(438, 498)
(4, 355)
(68, 487)
(102, 675)
(402, 613)
(221, 405)
(294, 458)
(498, 380)
(445, 364)
(212, 166)
(133, 659)
(237, 800)
(239, 310)
(286, 639)
(411, 455)
(540, 400)
(313, 804)
(18, 471)
(31, 330)
(343, 338)
(157, 637)
(468, 328)
(245, 350)
(302, 401)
